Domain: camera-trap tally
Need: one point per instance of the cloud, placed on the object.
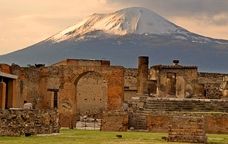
(180, 7)
(217, 10)
(25, 22)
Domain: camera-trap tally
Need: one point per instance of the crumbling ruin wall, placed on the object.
(130, 83)
(20, 122)
(189, 129)
(33, 85)
(5, 68)
(212, 83)
(28, 86)
(176, 82)
(91, 94)
(171, 104)
(114, 121)
(214, 122)
(161, 110)
(192, 105)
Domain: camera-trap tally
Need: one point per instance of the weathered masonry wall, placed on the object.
(212, 83)
(83, 62)
(154, 114)
(130, 83)
(5, 68)
(187, 129)
(176, 81)
(191, 105)
(214, 122)
(91, 94)
(34, 84)
(114, 121)
(19, 122)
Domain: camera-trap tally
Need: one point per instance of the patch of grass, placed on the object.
(96, 137)
(217, 139)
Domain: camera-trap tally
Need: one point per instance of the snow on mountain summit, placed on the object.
(134, 20)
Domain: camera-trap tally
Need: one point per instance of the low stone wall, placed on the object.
(212, 83)
(187, 129)
(20, 122)
(114, 121)
(137, 121)
(189, 105)
(214, 122)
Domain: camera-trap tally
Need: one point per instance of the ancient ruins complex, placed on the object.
(144, 98)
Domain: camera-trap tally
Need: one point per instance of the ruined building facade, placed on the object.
(89, 87)
(72, 86)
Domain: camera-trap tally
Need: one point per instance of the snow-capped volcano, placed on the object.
(121, 37)
(134, 20)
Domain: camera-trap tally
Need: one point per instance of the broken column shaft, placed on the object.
(142, 79)
(2, 95)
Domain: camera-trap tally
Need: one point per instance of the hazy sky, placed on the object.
(25, 22)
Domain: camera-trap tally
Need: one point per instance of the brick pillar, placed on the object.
(142, 79)
(2, 95)
(12, 97)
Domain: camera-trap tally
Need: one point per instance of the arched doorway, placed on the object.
(91, 94)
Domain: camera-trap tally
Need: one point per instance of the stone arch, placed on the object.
(91, 93)
(114, 76)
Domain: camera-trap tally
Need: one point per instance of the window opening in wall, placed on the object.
(55, 99)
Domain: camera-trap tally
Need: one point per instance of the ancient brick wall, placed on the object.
(190, 105)
(19, 122)
(28, 86)
(137, 121)
(34, 83)
(91, 94)
(189, 129)
(83, 62)
(114, 121)
(176, 81)
(130, 83)
(214, 122)
(5, 68)
(212, 83)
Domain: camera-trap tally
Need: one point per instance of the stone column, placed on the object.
(2, 95)
(142, 79)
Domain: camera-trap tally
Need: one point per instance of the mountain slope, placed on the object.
(124, 35)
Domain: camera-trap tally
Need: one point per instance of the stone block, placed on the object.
(187, 129)
(114, 121)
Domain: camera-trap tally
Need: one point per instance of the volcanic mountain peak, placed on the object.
(135, 20)
(121, 37)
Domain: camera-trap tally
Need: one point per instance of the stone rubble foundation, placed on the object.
(28, 122)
